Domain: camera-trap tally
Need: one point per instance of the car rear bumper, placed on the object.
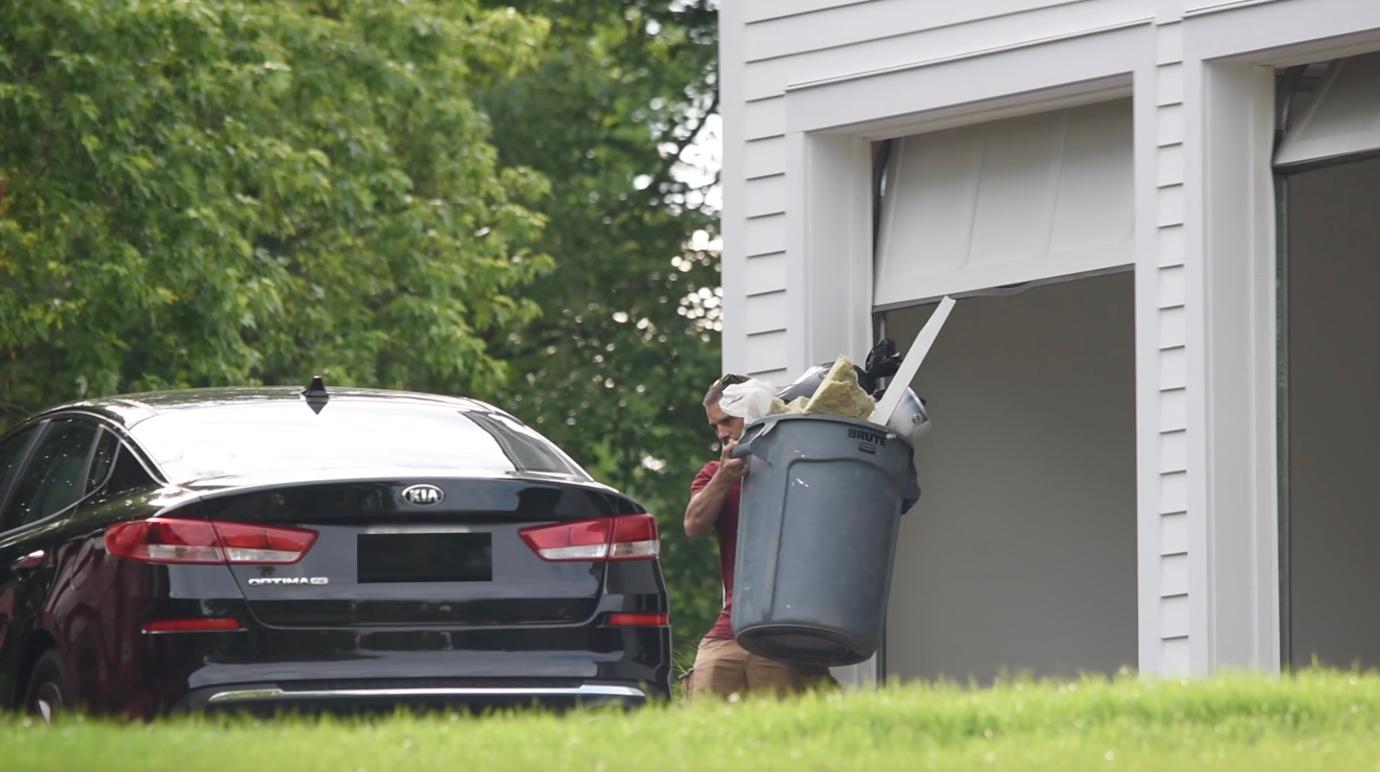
(270, 698)
(262, 670)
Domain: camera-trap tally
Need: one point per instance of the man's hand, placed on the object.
(731, 468)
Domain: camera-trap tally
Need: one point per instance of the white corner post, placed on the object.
(1231, 276)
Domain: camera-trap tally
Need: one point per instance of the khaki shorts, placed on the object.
(722, 668)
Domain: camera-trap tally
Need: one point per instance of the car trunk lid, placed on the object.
(452, 554)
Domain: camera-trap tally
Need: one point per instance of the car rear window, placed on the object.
(347, 438)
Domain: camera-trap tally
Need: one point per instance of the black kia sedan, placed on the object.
(264, 549)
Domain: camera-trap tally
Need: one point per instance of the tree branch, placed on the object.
(669, 163)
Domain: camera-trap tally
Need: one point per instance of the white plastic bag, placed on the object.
(748, 400)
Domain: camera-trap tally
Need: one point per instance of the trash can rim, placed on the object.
(827, 418)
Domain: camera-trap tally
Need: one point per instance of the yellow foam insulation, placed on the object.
(838, 394)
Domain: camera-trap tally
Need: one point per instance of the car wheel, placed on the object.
(47, 695)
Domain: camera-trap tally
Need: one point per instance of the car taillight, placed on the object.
(169, 540)
(247, 543)
(634, 536)
(194, 625)
(628, 619)
(625, 537)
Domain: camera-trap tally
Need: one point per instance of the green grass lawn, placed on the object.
(1320, 720)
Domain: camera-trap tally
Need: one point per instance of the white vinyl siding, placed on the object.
(858, 24)
(765, 274)
(765, 78)
(766, 351)
(766, 312)
(766, 195)
(766, 234)
(1172, 381)
(764, 158)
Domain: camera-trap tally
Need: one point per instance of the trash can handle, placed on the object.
(754, 432)
(910, 495)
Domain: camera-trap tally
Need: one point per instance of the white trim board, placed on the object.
(1040, 76)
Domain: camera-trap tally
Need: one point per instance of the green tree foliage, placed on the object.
(203, 192)
(615, 368)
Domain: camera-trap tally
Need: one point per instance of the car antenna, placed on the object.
(316, 394)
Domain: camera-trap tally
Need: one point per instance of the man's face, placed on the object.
(726, 427)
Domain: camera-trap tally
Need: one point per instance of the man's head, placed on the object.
(726, 427)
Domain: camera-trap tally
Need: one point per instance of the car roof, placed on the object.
(129, 409)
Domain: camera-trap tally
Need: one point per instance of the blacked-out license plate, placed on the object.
(425, 557)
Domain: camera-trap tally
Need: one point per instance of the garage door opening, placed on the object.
(1021, 555)
(1328, 191)
(1332, 440)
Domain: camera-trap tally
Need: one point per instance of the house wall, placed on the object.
(808, 85)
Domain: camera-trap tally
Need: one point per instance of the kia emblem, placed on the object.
(423, 495)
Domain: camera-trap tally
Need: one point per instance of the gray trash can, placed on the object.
(817, 523)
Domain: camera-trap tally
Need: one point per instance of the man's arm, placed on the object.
(706, 503)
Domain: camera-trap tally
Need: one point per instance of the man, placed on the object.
(722, 667)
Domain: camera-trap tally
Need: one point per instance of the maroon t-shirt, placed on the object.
(726, 532)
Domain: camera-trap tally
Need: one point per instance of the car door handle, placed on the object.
(29, 562)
